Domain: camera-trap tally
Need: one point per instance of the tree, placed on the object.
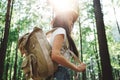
(16, 58)
(117, 23)
(5, 39)
(81, 56)
(103, 47)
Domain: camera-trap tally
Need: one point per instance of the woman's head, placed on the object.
(65, 19)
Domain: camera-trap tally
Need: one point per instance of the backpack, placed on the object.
(37, 63)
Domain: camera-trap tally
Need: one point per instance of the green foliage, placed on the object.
(3, 5)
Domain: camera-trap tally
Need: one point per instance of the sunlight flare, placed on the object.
(63, 5)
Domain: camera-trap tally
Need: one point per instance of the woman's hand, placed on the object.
(81, 67)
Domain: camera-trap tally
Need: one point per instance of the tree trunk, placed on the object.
(15, 64)
(119, 64)
(99, 69)
(103, 47)
(1, 37)
(81, 56)
(11, 67)
(5, 40)
(97, 55)
(118, 27)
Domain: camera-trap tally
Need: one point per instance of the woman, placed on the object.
(64, 23)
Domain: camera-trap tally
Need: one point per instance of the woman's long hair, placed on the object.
(61, 21)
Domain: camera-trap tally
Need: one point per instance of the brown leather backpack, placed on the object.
(37, 63)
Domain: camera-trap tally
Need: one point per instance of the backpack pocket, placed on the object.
(27, 65)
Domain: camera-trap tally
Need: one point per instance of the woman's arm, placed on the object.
(57, 57)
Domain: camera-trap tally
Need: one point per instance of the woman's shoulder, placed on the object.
(60, 30)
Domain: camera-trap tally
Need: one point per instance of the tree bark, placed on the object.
(81, 56)
(15, 65)
(118, 27)
(103, 47)
(16, 59)
(5, 39)
(97, 55)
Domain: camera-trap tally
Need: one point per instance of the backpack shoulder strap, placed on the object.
(51, 31)
(71, 52)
